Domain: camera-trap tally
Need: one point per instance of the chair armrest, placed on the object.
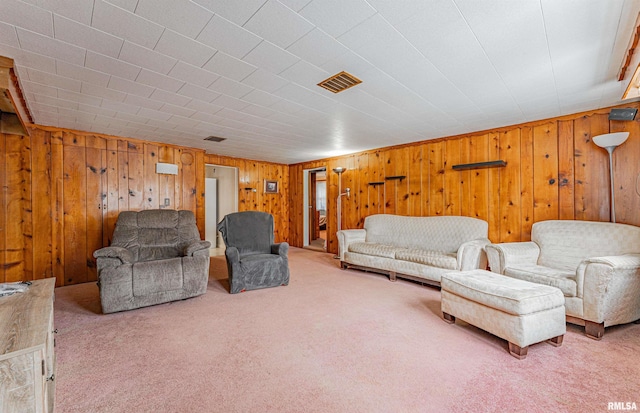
(114, 252)
(606, 283)
(232, 254)
(281, 249)
(503, 255)
(348, 236)
(471, 255)
(195, 246)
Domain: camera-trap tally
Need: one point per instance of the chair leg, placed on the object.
(392, 276)
(448, 318)
(593, 330)
(518, 352)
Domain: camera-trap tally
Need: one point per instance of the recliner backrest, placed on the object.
(565, 243)
(248, 231)
(155, 234)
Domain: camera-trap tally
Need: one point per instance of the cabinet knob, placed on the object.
(55, 331)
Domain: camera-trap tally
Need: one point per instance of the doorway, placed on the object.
(315, 196)
(221, 198)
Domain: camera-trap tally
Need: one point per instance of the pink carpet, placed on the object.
(331, 341)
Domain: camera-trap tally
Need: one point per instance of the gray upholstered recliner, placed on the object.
(156, 256)
(253, 260)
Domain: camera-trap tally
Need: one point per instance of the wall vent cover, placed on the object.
(214, 139)
(338, 83)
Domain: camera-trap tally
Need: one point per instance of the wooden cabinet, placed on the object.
(27, 358)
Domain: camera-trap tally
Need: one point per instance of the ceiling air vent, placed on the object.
(341, 81)
(214, 139)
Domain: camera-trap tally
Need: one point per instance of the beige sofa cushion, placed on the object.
(564, 280)
(433, 258)
(372, 248)
(506, 294)
(444, 234)
(564, 244)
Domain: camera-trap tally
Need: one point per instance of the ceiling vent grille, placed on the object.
(338, 83)
(214, 139)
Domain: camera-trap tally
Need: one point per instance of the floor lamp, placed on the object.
(610, 141)
(339, 170)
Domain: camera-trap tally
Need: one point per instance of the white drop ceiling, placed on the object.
(177, 71)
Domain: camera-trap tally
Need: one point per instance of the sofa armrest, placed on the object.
(471, 255)
(610, 288)
(348, 236)
(281, 249)
(501, 256)
(232, 254)
(123, 254)
(191, 249)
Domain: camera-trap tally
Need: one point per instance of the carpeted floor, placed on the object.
(331, 341)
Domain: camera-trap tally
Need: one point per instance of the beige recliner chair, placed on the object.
(156, 256)
(595, 264)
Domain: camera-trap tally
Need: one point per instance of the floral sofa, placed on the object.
(418, 248)
(595, 264)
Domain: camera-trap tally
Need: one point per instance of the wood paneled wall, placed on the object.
(553, 171)
(251, 175)
(63, 191)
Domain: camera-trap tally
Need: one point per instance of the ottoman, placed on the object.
(518, 311)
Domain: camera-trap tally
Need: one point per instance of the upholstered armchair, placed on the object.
(595, 264)
(253, 259)
(156, 256)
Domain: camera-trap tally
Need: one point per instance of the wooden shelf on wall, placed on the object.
(376, 183)
(393, 178)
(477, 165)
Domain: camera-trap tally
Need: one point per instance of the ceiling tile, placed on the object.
(51, 79)
(263, 80)
(230, 102)
(166, 97)
(128, 5)
(81, 73)
(24, 59)
(183, 16)
(149, 59)
(158, 80)
(305, 74)
(80, 98)
(38, 88)
(230, 87)
(143, 102)
(8, 35)
(337, 17)
(177, 110)
(193, 75)
(305, 97)
(224, 35)
(130, 87)
(289, 28)
(198, 93)
(184, 49)
(80, 12)
(102, 92)
(270, 57)
(87, 37)
(236, 11)
(295, 5)
(260, 97)
(47, 46)
(27, 16)
(228, 66)
(121, 23)
(52, 101)
(201, 106)
(317, 47)
(153, 114)
(119, 106)
(111, 66)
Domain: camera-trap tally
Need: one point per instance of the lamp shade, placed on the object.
(610, 139)
(339, 169)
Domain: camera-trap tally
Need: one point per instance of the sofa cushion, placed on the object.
(151, 277)
(564, 280)
(564, 244)
(371, 248)
(433, 258)
(444, 233)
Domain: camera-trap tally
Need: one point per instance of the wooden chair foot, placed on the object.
(593, 330)
(518, 352)
(448, 318)
(556, 341)
(392, 276)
